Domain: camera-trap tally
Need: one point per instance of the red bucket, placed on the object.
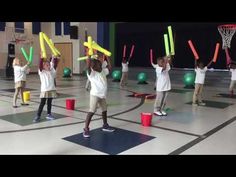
(146, 119)
(70, 104)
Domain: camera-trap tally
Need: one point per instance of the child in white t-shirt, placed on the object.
(163, 84)
(200, 70)
(232, 68)
(19, 79)
(124, 77)
(97, 77)
(47, 75)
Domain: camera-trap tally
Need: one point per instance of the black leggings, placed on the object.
(42, 103)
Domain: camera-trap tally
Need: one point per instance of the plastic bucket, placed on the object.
(146, 119)
(70, 104)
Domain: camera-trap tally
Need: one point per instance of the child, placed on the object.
(199, 81)
(163, 84)
(20, 80)
(97, 77)
(125, 69)
(47, 75)
(232, 68)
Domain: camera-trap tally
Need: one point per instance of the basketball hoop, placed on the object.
(227, 32)
(18, 36)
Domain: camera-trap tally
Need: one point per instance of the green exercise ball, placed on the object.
(189, 79)
(66, 72)
(116, 75)
(142, 77)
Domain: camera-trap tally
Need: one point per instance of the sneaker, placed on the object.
(36, 119)
(15, 106)
(107, 128)
(158, 113)
(164, 113)
(24, 104)
(50, 117)
(202, 104)
(86, 133)
(194, 104)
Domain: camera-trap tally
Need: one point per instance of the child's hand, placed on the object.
(28, 63)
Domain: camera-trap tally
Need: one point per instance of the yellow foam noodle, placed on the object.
(49, 44)
(172, 48)
(42, 46)
(100, 49)
(82, 58)
(57, 51)
(86, 44)
(90, 45)
(86, 57)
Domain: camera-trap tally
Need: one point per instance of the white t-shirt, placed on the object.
(98, 83)
(163, 81)
(200, 75)
(20, 73)
(233, 74)
(125, 67)
(47, 79)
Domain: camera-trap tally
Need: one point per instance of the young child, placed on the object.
(232, 67)
(47, 74)
(125, 69)
(20, 80)
(163, 84)
(200, 70)
(97, 77)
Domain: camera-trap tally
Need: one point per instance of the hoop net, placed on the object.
(227, 32)
(18, 36)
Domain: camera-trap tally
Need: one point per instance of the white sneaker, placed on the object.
(163, 113)
(158, 113)
(50, 117)
(194, 104)
(202, 104)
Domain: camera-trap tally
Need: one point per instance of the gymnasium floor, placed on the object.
(186, 129)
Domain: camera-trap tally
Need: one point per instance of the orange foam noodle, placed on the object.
(193, 50)
(216, 52)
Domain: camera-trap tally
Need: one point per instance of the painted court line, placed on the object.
(206, 135)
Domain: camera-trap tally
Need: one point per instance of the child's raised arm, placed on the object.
(55, 62)
(40, 64)
(195, 63)
(109, 64)
(209, 63)
(88, 62)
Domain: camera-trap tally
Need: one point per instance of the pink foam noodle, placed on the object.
(193, 50)
(151, 56)
(124, 51)
(228, 59)
(132, 51)
(216, 52)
